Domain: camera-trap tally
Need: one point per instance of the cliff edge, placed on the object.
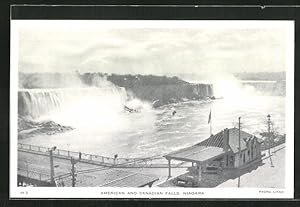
(159, 90)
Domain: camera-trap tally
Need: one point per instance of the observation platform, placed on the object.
(34, 168)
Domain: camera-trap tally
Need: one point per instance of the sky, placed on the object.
(158, 51)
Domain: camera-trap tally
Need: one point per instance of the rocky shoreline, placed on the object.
(28, 128)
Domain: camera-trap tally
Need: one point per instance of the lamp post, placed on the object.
(239, 179)
(269, 136)
(73, 162)
(27, 173)
(51, 164)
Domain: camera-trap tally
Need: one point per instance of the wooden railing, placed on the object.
(144, 162)
(92, 158)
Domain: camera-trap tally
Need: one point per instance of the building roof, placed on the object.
(234, 139)
(196, 153)
(212, 147)
(214, 140)
(217, 140)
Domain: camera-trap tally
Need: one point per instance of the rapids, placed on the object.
(103, 127)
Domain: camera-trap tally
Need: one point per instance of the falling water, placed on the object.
(40, 103)
(102, 126)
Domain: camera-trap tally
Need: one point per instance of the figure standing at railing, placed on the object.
(115, 158)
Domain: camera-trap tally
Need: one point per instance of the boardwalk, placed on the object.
(91, 170)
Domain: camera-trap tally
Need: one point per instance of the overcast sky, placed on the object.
(150, 51)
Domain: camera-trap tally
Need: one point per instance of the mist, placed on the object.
(76, 104)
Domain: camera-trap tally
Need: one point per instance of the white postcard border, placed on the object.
(101, 192)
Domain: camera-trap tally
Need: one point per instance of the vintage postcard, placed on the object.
(152, 109)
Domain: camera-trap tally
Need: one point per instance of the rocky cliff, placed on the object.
(159, 90)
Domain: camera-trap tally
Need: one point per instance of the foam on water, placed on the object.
(102, 126)
(146, 137)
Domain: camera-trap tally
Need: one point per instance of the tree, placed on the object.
(271, 135)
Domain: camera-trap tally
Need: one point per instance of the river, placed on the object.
(157, 131)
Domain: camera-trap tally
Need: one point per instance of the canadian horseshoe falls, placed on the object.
(100, 125)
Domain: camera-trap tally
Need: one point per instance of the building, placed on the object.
(220, 152)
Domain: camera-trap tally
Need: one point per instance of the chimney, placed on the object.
(226, 139)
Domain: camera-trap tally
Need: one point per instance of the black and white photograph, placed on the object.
(160, 109)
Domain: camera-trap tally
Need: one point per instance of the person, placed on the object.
(174, 112)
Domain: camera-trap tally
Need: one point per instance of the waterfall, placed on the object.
(207, 90)
(37, 103)
(204, 90)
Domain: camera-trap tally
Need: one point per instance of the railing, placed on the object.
(145, 162)
(69, 154)
(265, 145)
(92, 157)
